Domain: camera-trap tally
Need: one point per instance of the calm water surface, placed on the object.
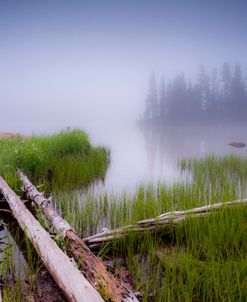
(140, 156)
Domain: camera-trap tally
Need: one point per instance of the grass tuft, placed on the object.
(61, 161)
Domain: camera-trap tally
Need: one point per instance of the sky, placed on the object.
(87, 63)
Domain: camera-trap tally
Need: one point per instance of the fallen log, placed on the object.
(70, 280)
(151, 224)
(93, 267)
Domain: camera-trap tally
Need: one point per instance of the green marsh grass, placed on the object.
(18, 268)
(61, 161)
(202, 259)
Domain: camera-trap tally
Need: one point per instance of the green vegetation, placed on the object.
(199, 260)
(16, 267)
(204, 181)
(62, 161)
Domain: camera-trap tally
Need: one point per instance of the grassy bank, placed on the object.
(61, 161)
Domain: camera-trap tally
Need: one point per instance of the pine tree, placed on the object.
(151, 111)
(226, 80)
(237, 94)
(177, 94)
(162, 99)
(204, 90)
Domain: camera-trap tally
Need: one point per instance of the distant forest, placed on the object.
(217, 98)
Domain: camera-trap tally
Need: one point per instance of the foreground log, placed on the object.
(75, 287)
(93, 267)
(171, 218)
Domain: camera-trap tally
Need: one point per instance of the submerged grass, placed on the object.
(61, 161)
(18, 268)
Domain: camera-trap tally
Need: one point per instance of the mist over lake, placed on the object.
(123, 148)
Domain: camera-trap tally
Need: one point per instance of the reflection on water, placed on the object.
(146, 155)
(13, 262)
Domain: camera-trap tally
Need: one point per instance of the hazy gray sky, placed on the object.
(78, 63)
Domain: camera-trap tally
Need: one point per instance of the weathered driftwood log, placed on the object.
(93, 267)
(75, 287)
(151, 224)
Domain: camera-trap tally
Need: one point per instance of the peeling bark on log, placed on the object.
(151, 224)
(92, 266)
(75, 287)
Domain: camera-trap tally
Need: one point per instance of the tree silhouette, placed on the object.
(152, 99)
(209, 100)
(237, 94)
(162, 99)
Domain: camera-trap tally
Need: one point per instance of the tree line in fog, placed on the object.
(218, 97)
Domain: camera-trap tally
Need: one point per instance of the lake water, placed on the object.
(140, 156)
(143, 156)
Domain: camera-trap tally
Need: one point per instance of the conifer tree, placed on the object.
(151, 111)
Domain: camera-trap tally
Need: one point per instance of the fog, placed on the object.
(87, 64)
